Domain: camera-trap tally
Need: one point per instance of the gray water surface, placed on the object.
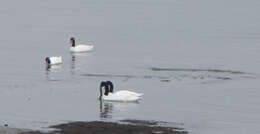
(197, 62)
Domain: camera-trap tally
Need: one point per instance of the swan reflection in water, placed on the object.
(49, 68)
(75, 57)
(72, 64)
(106, 110)
(52, 68)
(50, 71)
(109, 108)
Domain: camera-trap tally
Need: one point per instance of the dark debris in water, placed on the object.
(100, 127)
(165, 80)
(124, 76)
(179, 74)
(144, 122)
(224, 78)
(196, 70)
(109, 75)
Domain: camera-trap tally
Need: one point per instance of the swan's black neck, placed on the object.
(110, 86)
(73, 43)
(72, 40)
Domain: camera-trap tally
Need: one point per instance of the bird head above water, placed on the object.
(47, 60)
(72, 41)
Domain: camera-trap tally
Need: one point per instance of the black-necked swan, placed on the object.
(80, 47)
(54, 60)
(122, 95)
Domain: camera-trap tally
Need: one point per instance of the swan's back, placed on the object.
(129, 93)
(123, 95)
(81, 48)
(55, 60)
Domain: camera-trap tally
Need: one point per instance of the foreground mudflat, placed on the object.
(99, 127)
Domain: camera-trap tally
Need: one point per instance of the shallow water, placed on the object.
(214, 38)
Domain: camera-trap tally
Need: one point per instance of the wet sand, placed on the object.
(123, 127)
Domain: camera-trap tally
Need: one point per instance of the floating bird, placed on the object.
(54, 60)
(80, 47)
(122, 95)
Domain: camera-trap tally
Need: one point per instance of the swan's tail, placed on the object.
(139, 94)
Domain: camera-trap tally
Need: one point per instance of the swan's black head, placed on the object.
(47, 60)
(103, 85)
(72, 41)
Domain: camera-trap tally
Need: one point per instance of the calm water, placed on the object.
(200, 42)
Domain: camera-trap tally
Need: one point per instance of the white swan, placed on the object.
(79, 48)
(122, 95)
(54, 60)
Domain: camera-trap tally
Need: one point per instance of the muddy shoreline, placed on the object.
(122, 127)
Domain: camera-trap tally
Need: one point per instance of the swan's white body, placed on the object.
(123, 95)
(81, 48)
(55, 60)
